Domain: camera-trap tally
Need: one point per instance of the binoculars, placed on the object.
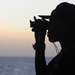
(40, 24)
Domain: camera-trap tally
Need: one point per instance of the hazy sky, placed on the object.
(16, 38)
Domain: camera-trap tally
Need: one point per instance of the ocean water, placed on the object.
(18, 65)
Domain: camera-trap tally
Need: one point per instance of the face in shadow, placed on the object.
(58, 30)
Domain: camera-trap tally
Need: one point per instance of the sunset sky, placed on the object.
(16, 38)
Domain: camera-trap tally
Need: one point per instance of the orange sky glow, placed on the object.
(16, 37)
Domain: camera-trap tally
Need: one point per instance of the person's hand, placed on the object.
(39, 28)
(40, 36)
(40, 40)
(40, 31)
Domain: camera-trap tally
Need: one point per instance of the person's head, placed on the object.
(62, 23)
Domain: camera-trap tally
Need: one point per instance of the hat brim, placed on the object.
(44, 16)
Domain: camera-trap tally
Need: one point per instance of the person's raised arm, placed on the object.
(39, 30)
(40, 63)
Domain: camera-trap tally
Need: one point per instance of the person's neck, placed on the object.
(67, 43)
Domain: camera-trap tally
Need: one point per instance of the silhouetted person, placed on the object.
(62, 30)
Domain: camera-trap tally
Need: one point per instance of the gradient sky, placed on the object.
(16, 38)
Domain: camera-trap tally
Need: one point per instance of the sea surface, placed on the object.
(18, 65)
